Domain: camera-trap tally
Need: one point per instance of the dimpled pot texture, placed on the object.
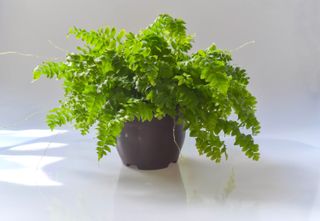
(150, 145)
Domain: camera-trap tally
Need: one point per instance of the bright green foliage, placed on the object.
(117, 77)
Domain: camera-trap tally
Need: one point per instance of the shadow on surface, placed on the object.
(287, 174)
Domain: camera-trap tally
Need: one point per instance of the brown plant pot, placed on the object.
(150, 145)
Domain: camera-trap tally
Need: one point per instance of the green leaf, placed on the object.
(49, 69)
(121, 34)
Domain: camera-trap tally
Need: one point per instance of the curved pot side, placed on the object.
(150, 145)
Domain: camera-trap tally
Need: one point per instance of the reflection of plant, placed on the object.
(118, 76)
(230, 185)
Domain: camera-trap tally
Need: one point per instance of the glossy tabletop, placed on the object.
(56, 176)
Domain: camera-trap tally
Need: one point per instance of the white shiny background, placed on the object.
(55, 175)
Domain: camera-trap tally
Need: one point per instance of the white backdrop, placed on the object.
(56, 176)
(283, 63)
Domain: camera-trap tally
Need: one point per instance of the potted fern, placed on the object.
(142, 91)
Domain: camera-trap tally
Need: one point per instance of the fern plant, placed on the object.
(116, 77)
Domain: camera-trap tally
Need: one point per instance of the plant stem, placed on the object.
(174, 136)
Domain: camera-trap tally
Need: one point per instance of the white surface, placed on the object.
(63, 181)
(55, 176)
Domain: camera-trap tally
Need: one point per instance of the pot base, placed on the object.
(147, 167)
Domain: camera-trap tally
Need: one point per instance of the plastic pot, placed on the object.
(150, 145)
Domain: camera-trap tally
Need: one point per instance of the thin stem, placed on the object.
(57, 47)
(34, 55)
(174, 136)
(28, 55)
(20, 53)
(28, 117)
(243, 45)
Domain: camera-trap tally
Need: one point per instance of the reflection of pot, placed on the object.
(149, 195)
(150, 145)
